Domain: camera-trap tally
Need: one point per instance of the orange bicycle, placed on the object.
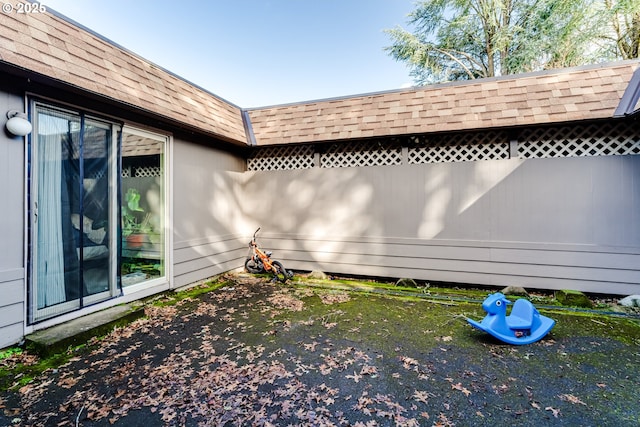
(259, 261)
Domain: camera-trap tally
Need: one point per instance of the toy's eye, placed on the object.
(498, 303)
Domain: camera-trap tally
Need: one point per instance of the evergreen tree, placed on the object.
(466, 39)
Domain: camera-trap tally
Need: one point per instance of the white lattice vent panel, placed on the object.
(463, 148)
(99, 174)
(282, 158)
(145, 171)
(601, 139)
(361, 154)
(126, 173)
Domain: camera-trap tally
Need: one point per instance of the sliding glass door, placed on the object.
(73, 211)
(98, 211)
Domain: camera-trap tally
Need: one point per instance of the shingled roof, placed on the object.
(583, 93)
(58, 48)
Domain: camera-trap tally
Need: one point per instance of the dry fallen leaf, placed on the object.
(355, 377)
(571, 399)
(421, 396)
(554, 411)
(333, 298)
(369, 370)
(459, 387)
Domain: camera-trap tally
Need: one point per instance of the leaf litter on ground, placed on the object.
(255, 353)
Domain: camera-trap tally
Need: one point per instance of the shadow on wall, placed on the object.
(591, 201)
(416, 201)
(327, 209)
(480, 222)
(208, 220)
(452, 189)
(318, 208)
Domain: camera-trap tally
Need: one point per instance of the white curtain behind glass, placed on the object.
(50, 256)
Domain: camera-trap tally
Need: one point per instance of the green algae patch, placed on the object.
(326, 355)
(170, 298)
(452, 291)
(206, 287)
(431, 338)
(388, 315)
(22, 367)
(621, 329)
(386, 323)
(573, 298)
(393, 290)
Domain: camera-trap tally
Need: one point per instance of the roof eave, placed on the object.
(51, 82)
(629, 100)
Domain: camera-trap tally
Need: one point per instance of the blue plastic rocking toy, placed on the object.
(523, 326)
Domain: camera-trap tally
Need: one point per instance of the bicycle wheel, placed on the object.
(252, 267)
(280, 272)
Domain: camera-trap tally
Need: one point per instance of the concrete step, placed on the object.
(78, 331)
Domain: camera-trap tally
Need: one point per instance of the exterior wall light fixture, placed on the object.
(18, 124)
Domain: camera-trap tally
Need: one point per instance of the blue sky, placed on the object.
(258, 52)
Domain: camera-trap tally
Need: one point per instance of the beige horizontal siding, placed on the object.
(12, 308)
(542, 223)
(491, 263)
(207, 192)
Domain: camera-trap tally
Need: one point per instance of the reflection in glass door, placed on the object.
(73, 212)
(142, 207)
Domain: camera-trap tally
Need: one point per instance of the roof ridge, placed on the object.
(530, 74)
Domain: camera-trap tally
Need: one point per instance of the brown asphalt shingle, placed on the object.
(583, 93)
(51, 46)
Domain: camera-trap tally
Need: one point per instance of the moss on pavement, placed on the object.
(244, 351)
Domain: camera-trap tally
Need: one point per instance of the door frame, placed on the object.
(35, 314)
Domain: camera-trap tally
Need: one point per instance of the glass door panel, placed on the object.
(95, 249)
(72, 213)
(143, 207)
(56, 265)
